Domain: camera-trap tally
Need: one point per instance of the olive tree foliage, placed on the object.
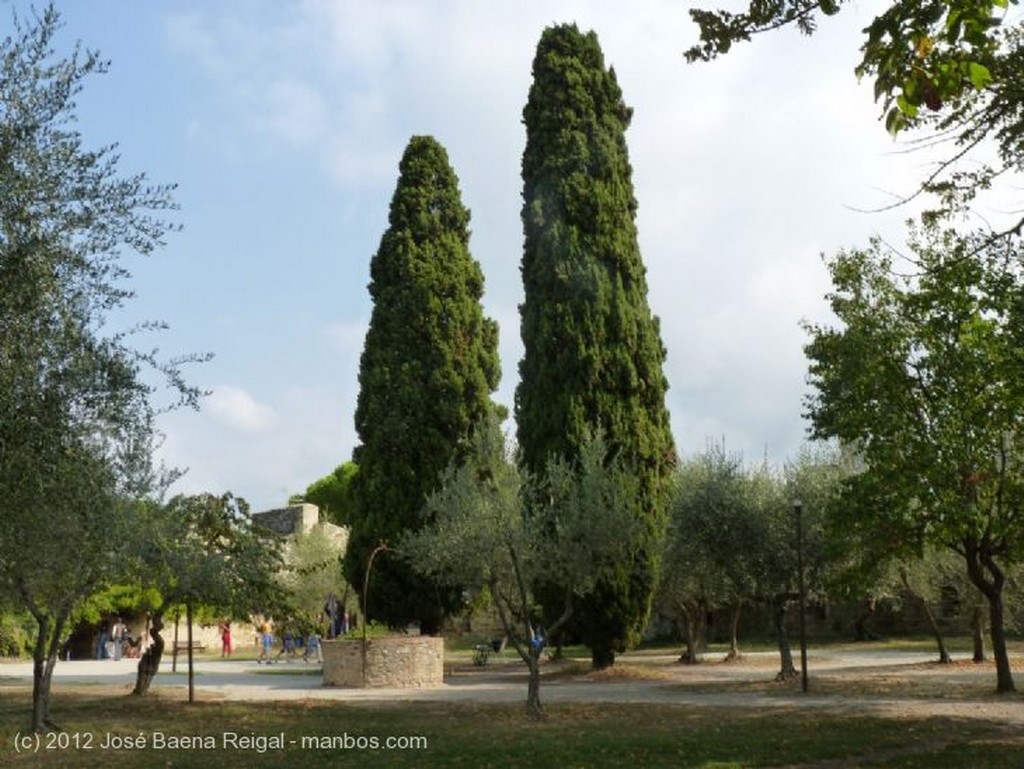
(714, 554)
(732, 541)
(479, 533)
(76, 417)
(924, 378)
(204, 551)
(312, 572)
(948, 66)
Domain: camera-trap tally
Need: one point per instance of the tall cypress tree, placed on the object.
(593, 352)
(428, 368)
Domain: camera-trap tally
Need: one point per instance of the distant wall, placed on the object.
(294, 519)
(391, 661)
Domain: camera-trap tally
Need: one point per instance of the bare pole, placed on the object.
(798, 508)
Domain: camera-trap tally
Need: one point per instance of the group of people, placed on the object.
(115, 641)
(290, 644)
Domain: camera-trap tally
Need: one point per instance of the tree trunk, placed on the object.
(533, 706)
(978, 632)
(176, 646)
(689, 618)
(149, 662)
(944, 658)
(1004, 676)
(989, 578)
(44, 658)
(861, 631)
(734, 623)
(602, 657)
(786, 670)
(929, 615)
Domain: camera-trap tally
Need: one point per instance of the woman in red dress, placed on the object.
(225, 638)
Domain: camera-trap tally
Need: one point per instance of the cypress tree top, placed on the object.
(593, 353)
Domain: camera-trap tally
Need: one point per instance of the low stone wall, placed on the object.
(391, 661)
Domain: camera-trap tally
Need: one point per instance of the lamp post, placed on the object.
(798, 509)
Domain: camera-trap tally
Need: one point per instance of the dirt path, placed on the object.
(889, 684)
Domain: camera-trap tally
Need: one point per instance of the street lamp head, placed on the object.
(797, 504)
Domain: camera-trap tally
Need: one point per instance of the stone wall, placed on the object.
(289, 520)
(391, 661)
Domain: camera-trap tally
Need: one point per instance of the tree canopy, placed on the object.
(333, 494)
(925, 380)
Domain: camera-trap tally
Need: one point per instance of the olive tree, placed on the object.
(479, 533)
(76, 412)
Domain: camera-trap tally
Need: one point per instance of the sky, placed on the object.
(282, 123)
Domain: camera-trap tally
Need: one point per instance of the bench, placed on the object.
(180, 646)
(481, 652)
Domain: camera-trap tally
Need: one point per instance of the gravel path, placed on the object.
(900, 684)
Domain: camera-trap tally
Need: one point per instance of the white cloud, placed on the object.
(295, 112)
(235, 408)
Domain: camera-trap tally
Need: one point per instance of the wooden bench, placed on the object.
(180, 646)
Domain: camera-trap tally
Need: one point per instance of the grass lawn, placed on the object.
(105, 728)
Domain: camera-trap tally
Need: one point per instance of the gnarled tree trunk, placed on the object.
(692, 619)
(786, 669)
(734, 623)
(989, 578)
(149, 662)
(44, 657)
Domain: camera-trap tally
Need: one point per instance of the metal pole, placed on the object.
(799, 510)
(381, 546)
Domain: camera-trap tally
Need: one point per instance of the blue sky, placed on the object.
(282, 123)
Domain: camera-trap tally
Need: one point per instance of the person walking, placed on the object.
(117, 635)
(266, 641)
(312, 646)
(225, 637)
(101, 643)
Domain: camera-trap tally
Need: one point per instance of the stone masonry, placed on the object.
(391, 661)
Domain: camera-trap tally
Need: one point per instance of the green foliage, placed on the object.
(953, 65)
(333, 494)
(593, 354)
(924, 380)
(76, 419)
(920, 54)
(15, 634)
(732, 534)
(312, 571)
(717, 544)
(580, 528)
(428, 367)
(203, 550)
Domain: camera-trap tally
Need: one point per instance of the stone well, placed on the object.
(391, 661)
